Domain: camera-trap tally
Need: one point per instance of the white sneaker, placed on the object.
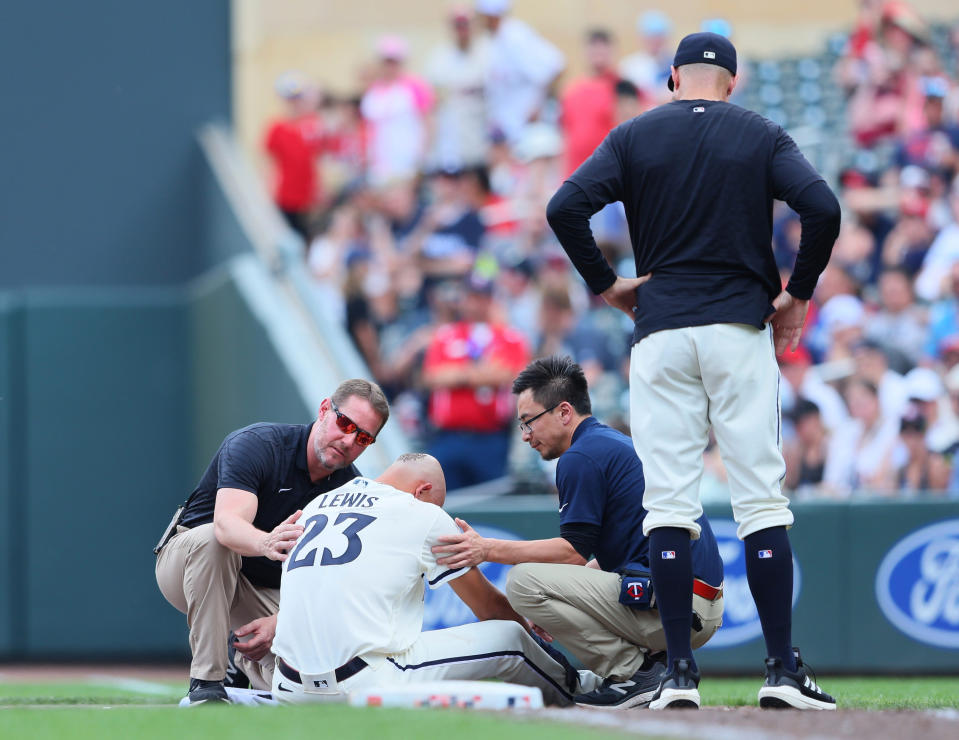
(679, 688)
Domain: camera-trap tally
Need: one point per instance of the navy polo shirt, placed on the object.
(600, 482)
(268, 460)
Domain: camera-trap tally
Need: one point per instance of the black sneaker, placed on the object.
(792, 689)
(207, 692)
(635, 691)
(235, 678)
(679, 689)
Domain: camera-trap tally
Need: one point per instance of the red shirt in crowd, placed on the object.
(588, 114)
(294, 144)
(466, 408)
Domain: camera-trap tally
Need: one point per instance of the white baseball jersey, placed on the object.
(354, 582)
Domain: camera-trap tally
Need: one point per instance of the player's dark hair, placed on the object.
(555, 379)
(626, 89)
(897, 270)
(366, 390)
(803, 408)
(600, 35)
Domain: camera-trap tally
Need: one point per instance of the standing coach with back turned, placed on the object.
(698, 177)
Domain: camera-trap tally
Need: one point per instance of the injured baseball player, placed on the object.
(351, 599)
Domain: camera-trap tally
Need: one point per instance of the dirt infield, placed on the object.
(38, 673)
(753, 723)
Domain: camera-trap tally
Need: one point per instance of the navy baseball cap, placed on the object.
(705, 48)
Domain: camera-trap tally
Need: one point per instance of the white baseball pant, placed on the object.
(681, 381)
(495, 649)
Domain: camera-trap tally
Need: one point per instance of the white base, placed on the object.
(456, 694)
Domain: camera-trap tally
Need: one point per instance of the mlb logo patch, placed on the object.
(669, 554)
(765, 554)
(709, 55)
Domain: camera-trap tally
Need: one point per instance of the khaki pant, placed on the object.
(580, 608)
(202, 579)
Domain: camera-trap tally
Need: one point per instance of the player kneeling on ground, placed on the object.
(604, 613)
(351, 599)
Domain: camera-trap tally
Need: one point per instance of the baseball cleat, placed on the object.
(207, 692)
(679, 689)
(635, 691)
(785, 689)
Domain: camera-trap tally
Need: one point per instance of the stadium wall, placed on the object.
(876, 588)
(102, 176)
(115, 401)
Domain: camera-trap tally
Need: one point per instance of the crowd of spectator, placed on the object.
(422, 199)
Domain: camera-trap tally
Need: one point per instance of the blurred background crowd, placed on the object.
(421, 203)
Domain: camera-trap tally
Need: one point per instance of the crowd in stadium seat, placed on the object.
(426, 234)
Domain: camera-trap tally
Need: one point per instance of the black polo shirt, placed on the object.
(698, 179)
(268, 460)
(600, 481)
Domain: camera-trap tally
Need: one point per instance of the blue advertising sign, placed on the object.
(917, 584)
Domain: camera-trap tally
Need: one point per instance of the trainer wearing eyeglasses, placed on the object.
(606, 622)
(219, 561)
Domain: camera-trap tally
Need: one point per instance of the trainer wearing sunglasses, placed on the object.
(219, 563)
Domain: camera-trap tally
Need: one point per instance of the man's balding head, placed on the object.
(419, 474)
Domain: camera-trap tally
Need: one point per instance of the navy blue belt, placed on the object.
(345, 671)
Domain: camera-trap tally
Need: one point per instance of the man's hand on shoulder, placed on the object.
(261, 632)
(462, 550)
(276, 544)
(622, 294)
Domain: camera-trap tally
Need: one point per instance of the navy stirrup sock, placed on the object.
(670, 564)
(769, 570)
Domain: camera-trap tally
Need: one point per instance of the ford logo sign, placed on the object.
(740, 618)
(917, 585)
(443, 608)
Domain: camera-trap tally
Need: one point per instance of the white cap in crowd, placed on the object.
(842, 312)
(539, 141)
(924, 384)
(290, 85)
(493, 7)
(392, 46)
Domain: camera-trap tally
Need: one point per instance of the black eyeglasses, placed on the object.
(348, 426)
(526, 427)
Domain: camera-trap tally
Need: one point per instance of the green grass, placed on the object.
(107, 713)
(89, 692)
(850, 693)
(261, 723)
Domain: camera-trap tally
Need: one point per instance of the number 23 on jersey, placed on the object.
(304, 553)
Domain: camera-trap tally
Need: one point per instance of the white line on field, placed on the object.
(132, 684)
